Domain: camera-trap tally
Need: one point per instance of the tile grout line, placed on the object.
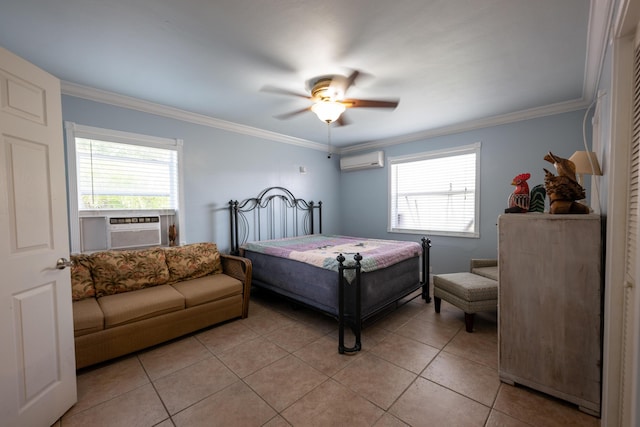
(146, 372)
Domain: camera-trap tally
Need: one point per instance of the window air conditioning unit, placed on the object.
(133, 232)
(362, 161)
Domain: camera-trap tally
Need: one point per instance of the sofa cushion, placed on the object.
(122, 271)
(488, 272)
(87, 317)
(208, 288)
(81, 280)
(130, 307)
(193, 261)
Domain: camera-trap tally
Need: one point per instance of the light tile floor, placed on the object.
(281, 367)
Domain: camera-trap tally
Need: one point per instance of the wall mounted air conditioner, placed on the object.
(362, 161)
(133, 231)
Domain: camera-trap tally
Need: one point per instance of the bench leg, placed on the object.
(436, 303)
(468, 321)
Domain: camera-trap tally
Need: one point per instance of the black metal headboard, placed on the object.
(274, 213)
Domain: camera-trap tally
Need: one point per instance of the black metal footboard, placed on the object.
(355, 321)
(357, 318)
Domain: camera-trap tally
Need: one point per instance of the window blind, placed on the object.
(114, 175)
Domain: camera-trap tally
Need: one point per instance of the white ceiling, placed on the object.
(452, 63)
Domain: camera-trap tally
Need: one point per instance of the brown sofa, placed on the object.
(124, 301)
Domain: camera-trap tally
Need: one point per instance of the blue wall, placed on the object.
(506, 151)
(220, 166)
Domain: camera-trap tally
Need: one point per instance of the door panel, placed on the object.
(29, 202)
(35, 332)
(37, 359)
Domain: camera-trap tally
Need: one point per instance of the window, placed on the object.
(435, 192)
(120, 173)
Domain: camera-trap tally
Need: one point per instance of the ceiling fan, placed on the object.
(328, 97)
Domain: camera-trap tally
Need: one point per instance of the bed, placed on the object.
(350, 278)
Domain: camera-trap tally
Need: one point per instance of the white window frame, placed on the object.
(73, 131)
(467, 149)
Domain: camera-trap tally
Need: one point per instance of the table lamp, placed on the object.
(586, 163)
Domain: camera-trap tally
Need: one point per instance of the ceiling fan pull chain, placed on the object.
(329, 139)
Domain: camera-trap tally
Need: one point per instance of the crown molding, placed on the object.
(598, 33)
(532, 113)
(111, 98)
(98, 95)
(600, 24)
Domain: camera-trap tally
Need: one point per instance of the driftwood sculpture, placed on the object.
(173, 235)
(563, 190)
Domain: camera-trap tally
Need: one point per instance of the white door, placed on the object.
(37, 359)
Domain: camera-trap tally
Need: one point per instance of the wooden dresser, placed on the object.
(550, 303)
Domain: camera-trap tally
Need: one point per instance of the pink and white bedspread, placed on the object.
(321, 250)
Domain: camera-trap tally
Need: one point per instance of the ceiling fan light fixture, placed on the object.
(328, 111)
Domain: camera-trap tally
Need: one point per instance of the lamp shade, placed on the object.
(586, 163)
(328, 111)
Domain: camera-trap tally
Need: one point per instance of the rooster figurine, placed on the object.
(519, 199)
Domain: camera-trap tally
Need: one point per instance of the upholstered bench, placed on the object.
(468, 291)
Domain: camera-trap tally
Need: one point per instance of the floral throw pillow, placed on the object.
(81, 280)
(122, 271)
(193, 261)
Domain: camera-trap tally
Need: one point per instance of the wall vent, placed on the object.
(133, 232)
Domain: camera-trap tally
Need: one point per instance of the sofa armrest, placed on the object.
(239, 268)
(482, 262)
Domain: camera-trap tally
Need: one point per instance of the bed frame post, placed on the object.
(233, 215)
(426, 245)
(357, 326)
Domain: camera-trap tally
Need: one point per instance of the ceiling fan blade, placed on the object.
(292, 113)
(342, 121)
(281, 91)
(342, 84)
(369, 103)
(351, 80)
